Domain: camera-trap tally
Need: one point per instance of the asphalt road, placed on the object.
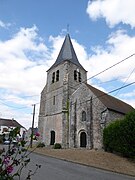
(55, 169)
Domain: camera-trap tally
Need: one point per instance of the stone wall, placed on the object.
(53, 123)
(54, 114)
(85, 100)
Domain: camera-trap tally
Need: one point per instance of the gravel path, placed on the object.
(99, 159)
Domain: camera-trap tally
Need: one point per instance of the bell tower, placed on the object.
(63, 78)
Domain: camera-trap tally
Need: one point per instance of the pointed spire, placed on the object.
(67, 52)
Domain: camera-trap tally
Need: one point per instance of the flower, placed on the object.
(15, 155)
(9, 169)
(6, 160)
(37, 134)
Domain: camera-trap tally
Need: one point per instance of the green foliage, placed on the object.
(14, 158)
(41, 144)
(1, 139)
(119, 136)
(57, 146)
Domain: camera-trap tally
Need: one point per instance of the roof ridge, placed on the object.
(111, 102)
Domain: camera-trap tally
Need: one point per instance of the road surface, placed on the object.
(55, 169)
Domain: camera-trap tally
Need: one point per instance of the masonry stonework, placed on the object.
(72, 112)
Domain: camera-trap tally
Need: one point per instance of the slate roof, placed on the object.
(111, 102)
(67, 52)
(10, 123)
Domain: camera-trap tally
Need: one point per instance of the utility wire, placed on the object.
(13, 107)
(4, 99)
(111, 66)
(121, 87)
(97, 74)
(106, 94)
(104, 82)
(126, 80)
(85, 80)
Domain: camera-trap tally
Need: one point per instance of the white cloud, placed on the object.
(56, 46)
(114, 12)
(128, 95)
(21, 62)
(23, 72)
(25, 58)
(4, 25)
(119, 46)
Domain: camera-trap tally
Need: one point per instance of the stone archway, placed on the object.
(52, 139)
(83, 139)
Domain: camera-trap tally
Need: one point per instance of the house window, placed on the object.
(83, 116)
(53, 100)
(5, 130)
(57, 75)
(75, 75)
(79, 77)
(53, 77)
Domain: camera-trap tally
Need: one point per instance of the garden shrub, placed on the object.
(119, 136)
(1, 141)
(57, 146)
(41, 144)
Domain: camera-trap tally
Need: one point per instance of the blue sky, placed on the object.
(31, 35)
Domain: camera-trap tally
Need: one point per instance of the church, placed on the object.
(72, 112)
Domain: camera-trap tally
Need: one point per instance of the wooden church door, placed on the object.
(83, 139)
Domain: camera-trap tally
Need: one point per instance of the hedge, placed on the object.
(119, 136)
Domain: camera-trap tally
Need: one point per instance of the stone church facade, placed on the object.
(72, 112)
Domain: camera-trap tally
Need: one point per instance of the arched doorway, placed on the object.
(83, 139)
(52, 140)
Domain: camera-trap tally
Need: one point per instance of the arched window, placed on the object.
(53, 77)
(53, 100)
(75, 75)
(83, 116)
(79, 77)
(52, 139)
(57, 75)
